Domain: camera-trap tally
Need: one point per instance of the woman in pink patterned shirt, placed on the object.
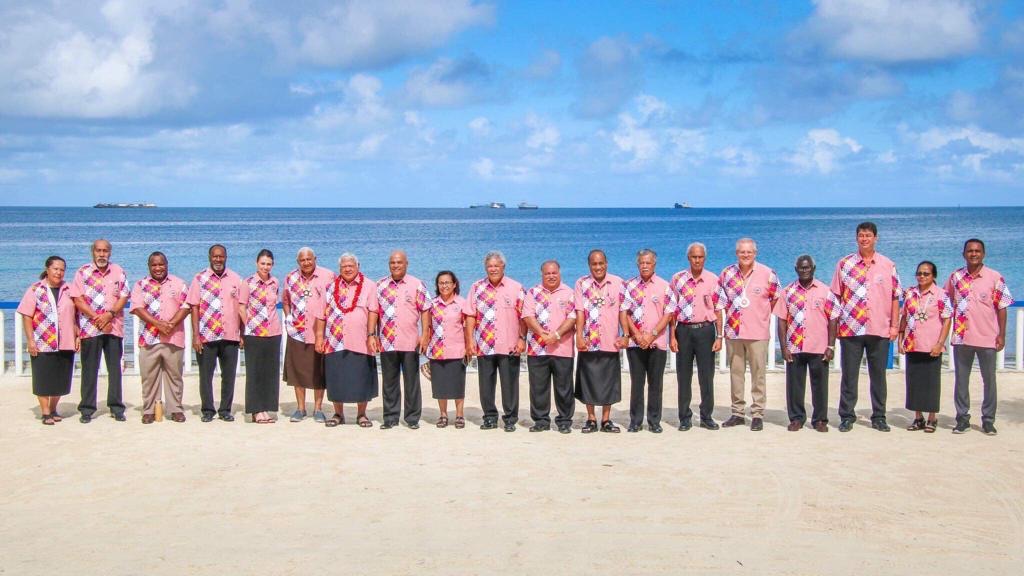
(261, 338)
(924, 327)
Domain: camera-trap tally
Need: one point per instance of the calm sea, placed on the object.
(457, 238)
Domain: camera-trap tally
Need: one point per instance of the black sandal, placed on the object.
(917, 424)
(590, 426)
(48, 420)
(335, 420)
(442, 422)
(931, 426)
(364, 421)
(608, 426)
(460, 422)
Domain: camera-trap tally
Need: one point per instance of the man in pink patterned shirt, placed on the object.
(868, 289)
(980, 298)
(747, 292)
(550, 314)
(100, 291)
(494, 317)
(301, 299)
(646, 310)
(404, 307)
(807, 313)
(216, 330)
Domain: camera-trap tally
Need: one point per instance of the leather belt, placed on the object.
(695, 324)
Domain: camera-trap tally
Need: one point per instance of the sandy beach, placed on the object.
(194, 498)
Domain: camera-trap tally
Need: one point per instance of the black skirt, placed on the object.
(350, 376)
(52, 372)
(262, 373)
(598, 378)
(448, 379)
(924, 375)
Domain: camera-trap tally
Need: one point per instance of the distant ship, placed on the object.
(527, 206)
(683, 205)
(125, 205)
(491, 205)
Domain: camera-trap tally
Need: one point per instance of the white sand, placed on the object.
(237, 498)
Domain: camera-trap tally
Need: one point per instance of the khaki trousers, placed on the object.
(743, 353)
(161, 364)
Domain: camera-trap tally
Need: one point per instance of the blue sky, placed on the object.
(452, 102)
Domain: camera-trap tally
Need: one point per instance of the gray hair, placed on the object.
(807, 257)
(546, 262)
(696, 245)
(646, 252)
(348, 256)
(494, 255)
(746, 240)
(303, 250)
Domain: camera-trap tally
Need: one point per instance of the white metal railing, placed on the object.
(131, 350)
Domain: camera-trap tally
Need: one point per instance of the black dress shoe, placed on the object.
(488, 425)
(734, 421)
(538, 428)
(845, 425)
(685, 425)
(633, 428)
(414, 426)
(388, 425)
(85, 418)
(590, 426)
(609, 426)
(756, 424)
(564, 428)
(880, 425)
(709, 424)
(120, 418)
(655, 428)
(226, 417)
(207, 418)
(510, 426)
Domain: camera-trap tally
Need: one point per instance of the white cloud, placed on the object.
(484, 168)
(54, 64)
(543, 136)
(650, 107)
(740, 162)
(887, 157)
(893, 31)
(688, 148)
(361, 105)
(635, 142)
(821, 149)
(448, 83)
(369, 33)
(936, 138)
(480, 126)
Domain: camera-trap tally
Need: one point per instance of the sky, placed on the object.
(415, 103)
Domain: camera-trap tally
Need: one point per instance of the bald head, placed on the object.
(398, 264)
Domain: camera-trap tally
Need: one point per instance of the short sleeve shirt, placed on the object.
(161, 300)
(807, 312)
(865, 291)
(447, 337)
(646, 302)
(217, 300)
(696, 298)
(400, 303)
(346, 314)
(53, 322)
(259, 300)
(747, 300)
(101, 290)
(976, 299)
(926, 312)
(551, 309)
(598, 303)
(305, 298)
(497, 310)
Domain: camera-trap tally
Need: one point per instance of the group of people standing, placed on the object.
(337, 325)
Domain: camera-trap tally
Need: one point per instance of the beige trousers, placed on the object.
(161, 364)
(743, 353)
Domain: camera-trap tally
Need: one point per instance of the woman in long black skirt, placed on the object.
(48, 319)
(257, 305)
(445, 345)
(924, 327)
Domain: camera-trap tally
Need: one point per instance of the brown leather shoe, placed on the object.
(734, 421)
(795, 426)
(821, 426)
(178, 417)
(148, 418)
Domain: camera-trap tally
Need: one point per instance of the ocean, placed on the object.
(457, 238)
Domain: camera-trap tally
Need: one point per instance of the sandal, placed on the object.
(609, 426)
(442, 422)
(56, 417)
(590, 426)
(363, 421)
(48, 420)
(917, 424)
(931, 426)
(460, 422)
(335, 420)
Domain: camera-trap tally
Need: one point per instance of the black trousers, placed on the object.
(111, 347)
(405, 366)
(547, 372)
(645, 367)
(854, 348)
(796, 386)
(695, 344)
(489, 369)
(225, 352)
